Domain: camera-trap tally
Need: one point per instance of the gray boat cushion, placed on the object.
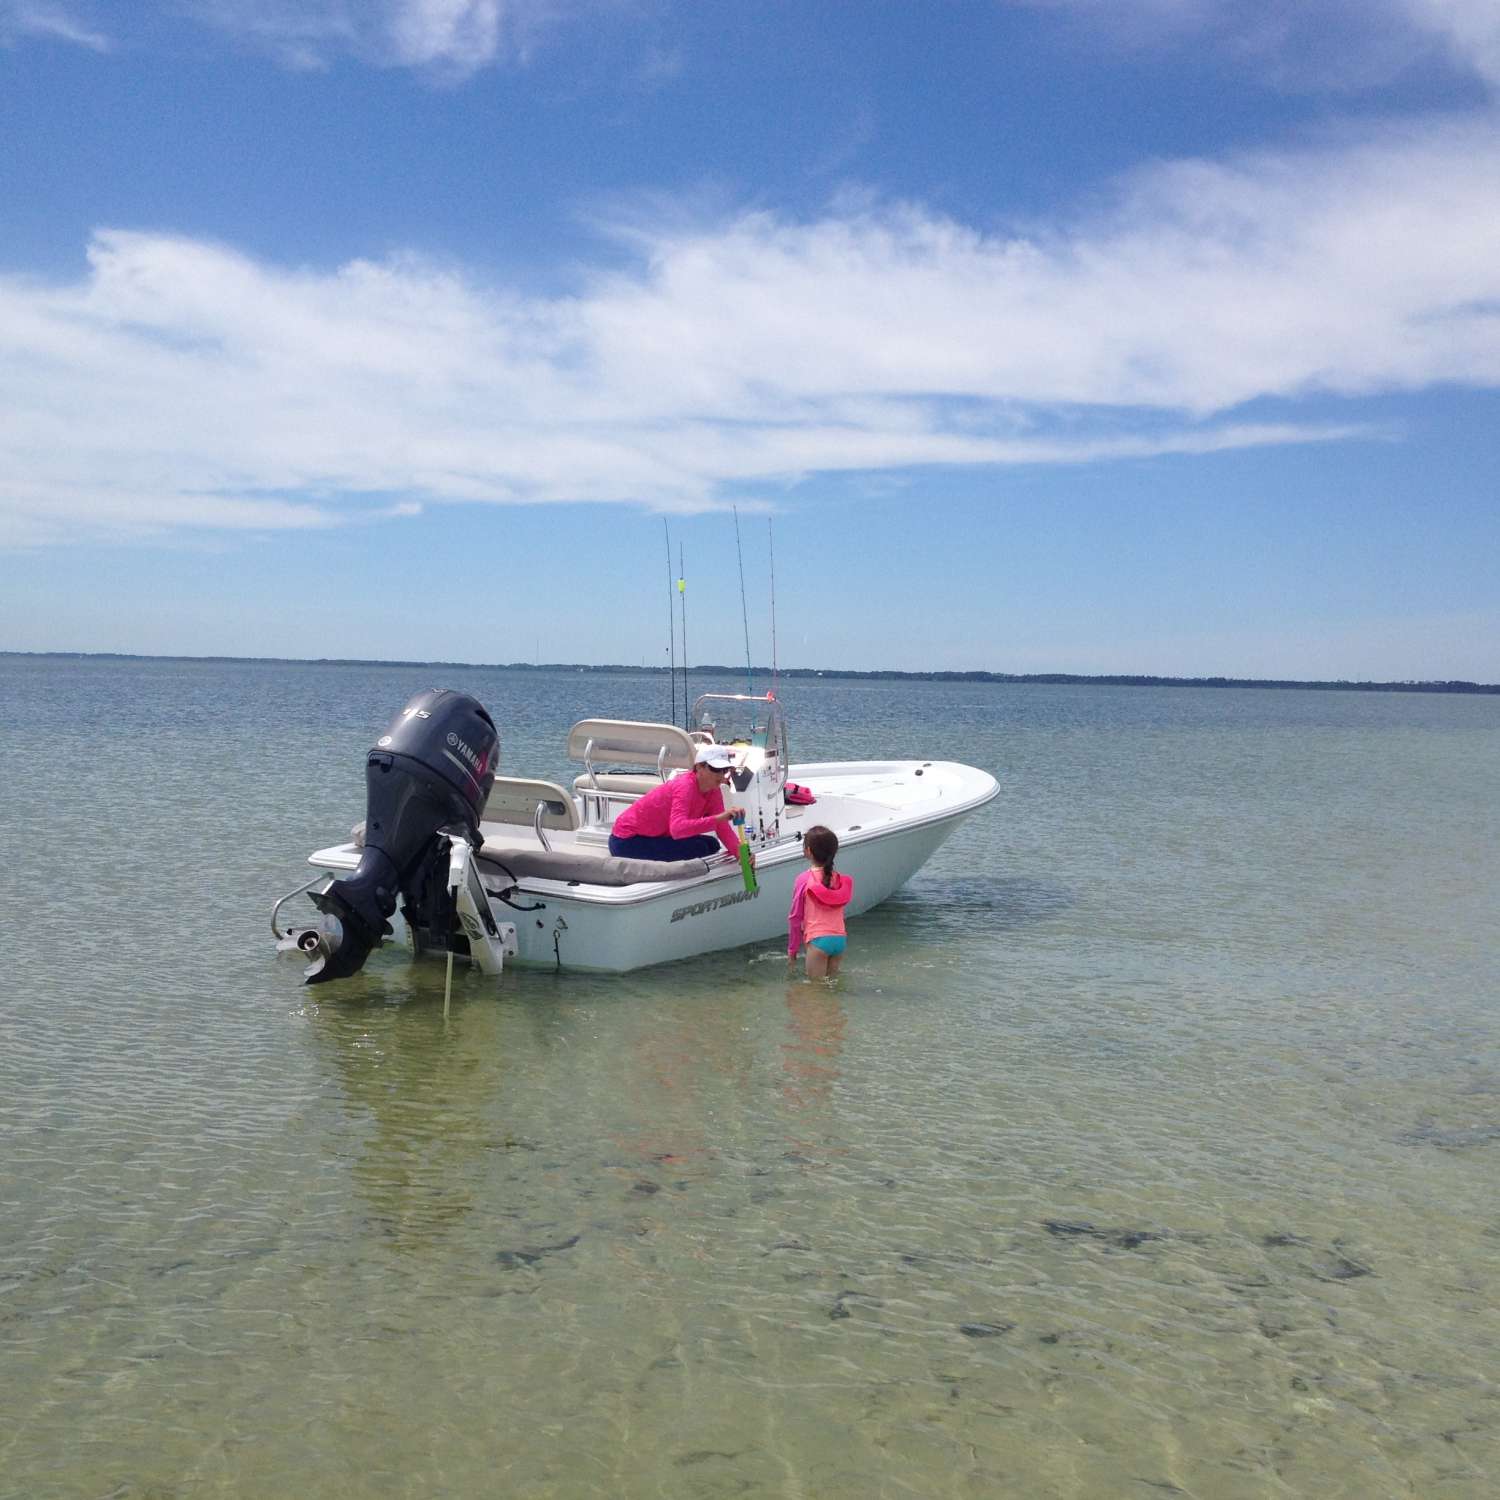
(591, 869)
(568, 864)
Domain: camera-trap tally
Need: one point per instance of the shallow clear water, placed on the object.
(1149, 1143)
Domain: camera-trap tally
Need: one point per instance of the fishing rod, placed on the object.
(682, 596)
(771, 543)
(744, 608)
(671, 628)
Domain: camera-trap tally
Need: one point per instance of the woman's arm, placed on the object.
(729, 835)
(693, 812)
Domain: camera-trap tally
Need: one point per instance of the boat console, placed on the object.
(754, 727)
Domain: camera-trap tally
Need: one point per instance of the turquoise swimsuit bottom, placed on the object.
(832, 946)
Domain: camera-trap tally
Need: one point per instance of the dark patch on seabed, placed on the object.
(958, 899)
(985, 1330)
(1427, 1133)
(1334, 1263)
(531, 1254)
(1120, 1239)
(838, 1310)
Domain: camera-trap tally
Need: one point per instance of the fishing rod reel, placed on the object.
(426, 783)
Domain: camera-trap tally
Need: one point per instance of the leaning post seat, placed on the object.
(538, 805)
(657, 750)
(659, 747)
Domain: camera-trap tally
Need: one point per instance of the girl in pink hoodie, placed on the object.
(818, 901)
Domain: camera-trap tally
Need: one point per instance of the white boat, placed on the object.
(539, 885)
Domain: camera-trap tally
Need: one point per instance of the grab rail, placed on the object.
(536, 825)
(276, 910)
(588, 764)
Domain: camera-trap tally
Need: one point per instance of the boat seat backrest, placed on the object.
(631, 784)
(624, 742)
(514, 799)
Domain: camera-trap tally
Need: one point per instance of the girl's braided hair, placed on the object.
(823, 845)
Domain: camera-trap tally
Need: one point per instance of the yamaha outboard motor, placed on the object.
(430, 774)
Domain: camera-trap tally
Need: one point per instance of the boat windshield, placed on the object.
(739, 719)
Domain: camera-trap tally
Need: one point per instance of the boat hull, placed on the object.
(700, 917)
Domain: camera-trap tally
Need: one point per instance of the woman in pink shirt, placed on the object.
(818, 901)
(680, 818)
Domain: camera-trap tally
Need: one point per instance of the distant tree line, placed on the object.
(718, 669)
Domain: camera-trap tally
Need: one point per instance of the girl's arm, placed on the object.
(794, 918)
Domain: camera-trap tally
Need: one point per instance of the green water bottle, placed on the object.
(746, 868)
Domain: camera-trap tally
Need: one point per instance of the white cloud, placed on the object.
(447, 38)
(1470, 29)
(466, 32)
(1307, 44)
(52, 22)
(302, 33)
(456, 37)
(1344, 269)
(182, 383)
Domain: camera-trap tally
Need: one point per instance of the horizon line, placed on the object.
(1044, 679)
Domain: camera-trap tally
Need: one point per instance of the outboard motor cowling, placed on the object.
(429, 774)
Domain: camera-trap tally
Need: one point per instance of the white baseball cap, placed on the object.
(718, 757)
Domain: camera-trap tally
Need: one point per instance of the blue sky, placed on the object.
(1041, 335)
